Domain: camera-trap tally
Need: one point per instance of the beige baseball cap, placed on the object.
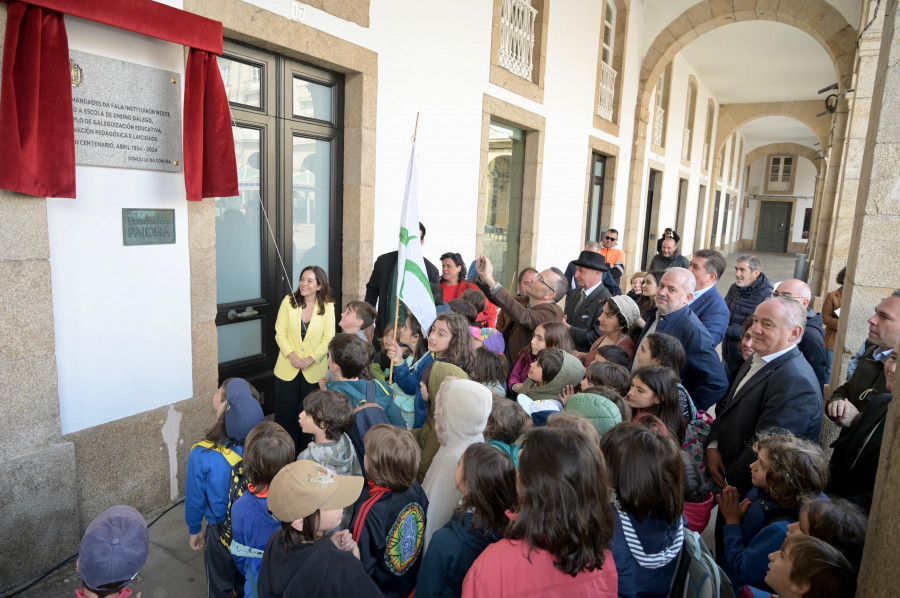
(303, 487)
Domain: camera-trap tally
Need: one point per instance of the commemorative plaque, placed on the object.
(148, 227)
(126, 115)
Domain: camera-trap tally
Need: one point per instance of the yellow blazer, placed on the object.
(315, 344)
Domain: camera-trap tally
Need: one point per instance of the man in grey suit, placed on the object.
(775, 388)
(584, 304)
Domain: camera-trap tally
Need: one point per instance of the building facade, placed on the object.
(539, 125)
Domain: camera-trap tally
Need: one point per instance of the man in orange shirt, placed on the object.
(615, 258)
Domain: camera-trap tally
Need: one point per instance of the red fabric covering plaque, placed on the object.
(37, 154)
(36, 124)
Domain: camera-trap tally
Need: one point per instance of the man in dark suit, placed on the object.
(584, 304)
(702, 375)
(775, 388)
(707, 266)
(382, 287)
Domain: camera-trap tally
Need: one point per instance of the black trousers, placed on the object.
(223, 580)
(289, 397)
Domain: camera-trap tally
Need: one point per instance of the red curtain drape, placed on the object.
(37, 155)
(208, 141)
(37, 151)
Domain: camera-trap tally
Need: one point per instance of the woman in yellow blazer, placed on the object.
(303, 329)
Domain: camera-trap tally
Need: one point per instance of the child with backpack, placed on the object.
(212, 466)
(645, 470)
(838, 522)
(113, 550)
(806, 567)
(299, 561)
(557, 543)
(389, 525)
(787, 470)
(267, 449)
(327, 416)
(461, 411)
(486, 479)
(348, 361)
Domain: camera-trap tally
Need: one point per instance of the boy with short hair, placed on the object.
(349, 358)
(808, 567)
(267, 449)
(327, 415)
(356, 319)
(389, 526)
(112, 552)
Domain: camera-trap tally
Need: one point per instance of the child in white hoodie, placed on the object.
(461, 412)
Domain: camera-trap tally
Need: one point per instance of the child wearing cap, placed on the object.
(299, 561)
(209, 469)
(267, 449)
(112, 552)
(389, 526)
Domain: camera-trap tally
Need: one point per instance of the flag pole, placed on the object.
(397, 299)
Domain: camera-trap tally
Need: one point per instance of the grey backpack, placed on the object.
(697, 574)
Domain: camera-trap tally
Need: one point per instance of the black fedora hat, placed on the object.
(592, 261)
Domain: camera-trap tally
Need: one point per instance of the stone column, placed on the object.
(823, 239)
(869, 279)
(835, 257)
(634, 245)
(40, 523)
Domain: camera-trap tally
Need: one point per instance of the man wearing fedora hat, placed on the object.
(584, 304)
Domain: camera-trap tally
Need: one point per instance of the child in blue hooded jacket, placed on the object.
(208, 479)
(268, 448)
(786, 471)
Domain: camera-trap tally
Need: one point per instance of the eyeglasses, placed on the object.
(786, 295)
(612, 238)
(541, 280)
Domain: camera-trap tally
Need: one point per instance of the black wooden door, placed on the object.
(774, 224)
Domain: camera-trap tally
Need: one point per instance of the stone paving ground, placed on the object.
(174, 570)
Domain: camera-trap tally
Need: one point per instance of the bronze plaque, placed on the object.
(148, 227)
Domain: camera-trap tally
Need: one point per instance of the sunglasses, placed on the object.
(612, 238)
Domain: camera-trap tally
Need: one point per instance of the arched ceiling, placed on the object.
(658, 14)
(772, 129)
(760, 61)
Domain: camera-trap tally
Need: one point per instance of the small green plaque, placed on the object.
(148, 227)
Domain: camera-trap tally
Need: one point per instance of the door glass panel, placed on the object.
(238, 257)
(312, 199)
(506, 163)
(242, 81)
(311, 100)
(240, 339)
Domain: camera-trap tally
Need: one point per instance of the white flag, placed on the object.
(413, 286)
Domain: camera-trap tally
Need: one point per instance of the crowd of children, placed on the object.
(434, 468)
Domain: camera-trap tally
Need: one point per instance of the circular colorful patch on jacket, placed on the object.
(404, 541)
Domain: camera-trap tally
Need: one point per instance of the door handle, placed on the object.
(249, 312)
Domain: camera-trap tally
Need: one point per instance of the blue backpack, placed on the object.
(367, 414)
